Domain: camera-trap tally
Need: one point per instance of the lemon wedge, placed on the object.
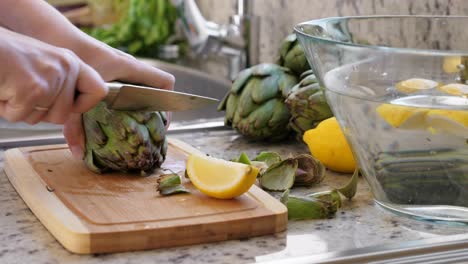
(406, 117)
(450, 64)
(219, 178)
(415, 85)
(455, 89)
(449, 121)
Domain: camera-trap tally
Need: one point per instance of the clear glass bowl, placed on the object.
(396, 84)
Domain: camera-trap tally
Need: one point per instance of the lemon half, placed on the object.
(406, 117)
(450, 64)
(219, 178)
(455, 89)
(449, 121)
(415, 85)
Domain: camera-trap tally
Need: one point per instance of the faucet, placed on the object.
(236, 41)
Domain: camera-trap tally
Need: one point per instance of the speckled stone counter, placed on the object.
(359, 223)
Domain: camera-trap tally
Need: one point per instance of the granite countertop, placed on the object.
(359, 223)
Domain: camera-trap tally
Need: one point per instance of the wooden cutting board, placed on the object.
(91, 213)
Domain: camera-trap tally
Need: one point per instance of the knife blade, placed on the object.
(130, 97)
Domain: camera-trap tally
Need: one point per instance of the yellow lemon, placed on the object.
(328, 144)
(449, 121)
(415, 85)
(399, 116)
(219, 178)
(455, 89)
(450, 64)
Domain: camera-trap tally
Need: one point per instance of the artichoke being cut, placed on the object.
(124, 140)
(307, 104)
(255, 104)
(292, 55)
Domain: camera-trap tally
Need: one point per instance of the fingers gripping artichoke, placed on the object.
(292, 55)
(124, 140)
(307, 104)
(255, 104)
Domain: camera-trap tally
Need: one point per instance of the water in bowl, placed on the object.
(413, 149)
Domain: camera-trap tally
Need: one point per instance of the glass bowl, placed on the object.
(397, 86)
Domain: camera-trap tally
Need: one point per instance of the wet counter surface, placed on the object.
(359, 223)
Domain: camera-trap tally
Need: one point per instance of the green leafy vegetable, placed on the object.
(143, 26)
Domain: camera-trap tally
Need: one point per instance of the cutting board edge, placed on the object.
(281, 225)
(47, 216)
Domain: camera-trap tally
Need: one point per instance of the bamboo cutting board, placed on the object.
(91, 213)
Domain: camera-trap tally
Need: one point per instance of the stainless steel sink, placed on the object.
(187, 80)
(196, 82)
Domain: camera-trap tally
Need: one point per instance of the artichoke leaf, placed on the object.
(244, 159)
(242, 78)
(310, 171)
(350, 189)
(279, 176)
(331, 196)
(269, 158)
(307, 207)
(169, 184)
(265, 88)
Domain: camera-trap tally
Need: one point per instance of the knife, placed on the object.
(130, 97)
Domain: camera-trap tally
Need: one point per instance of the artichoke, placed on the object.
(292, 55)
(255, 104)
(307, 104)
(124, 140)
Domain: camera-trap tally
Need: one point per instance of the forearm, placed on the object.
(37, 19)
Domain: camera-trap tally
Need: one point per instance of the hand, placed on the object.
(112, 64)
(38, 81)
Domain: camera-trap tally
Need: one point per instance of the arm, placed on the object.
(39, 81)
(37, 19)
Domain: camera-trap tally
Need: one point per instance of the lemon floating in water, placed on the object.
(416, 85)
(450, 64)
(406, 117)
(219, 178)
(455, 89)
(448, 121)
(435, 121)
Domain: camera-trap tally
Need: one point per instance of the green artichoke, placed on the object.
(255, 104)
(124, 140)
(292, 55)
(307, 104)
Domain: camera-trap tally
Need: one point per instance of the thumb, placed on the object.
(74, 135)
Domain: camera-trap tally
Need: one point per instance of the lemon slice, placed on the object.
(450, 64)
(449, 121)
(406, 117)
(220, 178)
(415, 85)
(455, 89)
